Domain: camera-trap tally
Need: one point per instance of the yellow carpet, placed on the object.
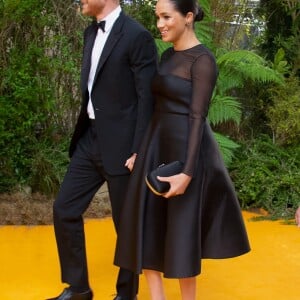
(29, 267)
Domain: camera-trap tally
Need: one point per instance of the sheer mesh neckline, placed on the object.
(188, 49)
(182, 63)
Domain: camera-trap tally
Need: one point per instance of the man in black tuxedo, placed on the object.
(119, 61)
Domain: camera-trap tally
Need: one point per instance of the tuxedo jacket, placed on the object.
(121, 93)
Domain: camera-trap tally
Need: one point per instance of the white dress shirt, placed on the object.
(97, 51)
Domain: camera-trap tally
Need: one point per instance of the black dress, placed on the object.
(173, 235)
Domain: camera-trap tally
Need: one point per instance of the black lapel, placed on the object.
(87, 53)
(114, 36)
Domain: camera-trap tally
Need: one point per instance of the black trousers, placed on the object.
(85, 175)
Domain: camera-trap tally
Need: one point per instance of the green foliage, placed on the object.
(246, 77)
(204, 29)
(223, 109)
(284, 113)
(40, 61)
(282, 30)
(143, 12)
(239, 66)
(227, 147)
(280, 64)
(267, 176)
(236, 70)
(48, 167)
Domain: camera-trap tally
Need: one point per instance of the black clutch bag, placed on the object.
(158, 187)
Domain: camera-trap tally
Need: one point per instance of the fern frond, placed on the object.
(258, 73)
(223, 109)
(247, 65)
(237, 56)
(227, 147)
(205, 5)
(204, 30)
(228, 80)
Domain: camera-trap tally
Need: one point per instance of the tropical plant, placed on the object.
(267, 176)
(236, 69)
(284, 112)
(39, 94)
(282, 30)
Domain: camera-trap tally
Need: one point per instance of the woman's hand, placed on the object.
(178, 184)
(130, 162)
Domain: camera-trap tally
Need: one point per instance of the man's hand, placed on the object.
(130, 162)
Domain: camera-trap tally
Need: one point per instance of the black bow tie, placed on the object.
(101, 25)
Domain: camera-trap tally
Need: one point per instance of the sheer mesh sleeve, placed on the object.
(203, 77)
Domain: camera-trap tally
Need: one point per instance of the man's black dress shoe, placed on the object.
(67, 294)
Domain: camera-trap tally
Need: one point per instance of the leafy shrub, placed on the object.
(40, 55)
(143, 12)
(48, 166)
(267, 176)
(284, 113)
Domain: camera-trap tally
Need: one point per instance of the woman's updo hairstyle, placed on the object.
(185, 6)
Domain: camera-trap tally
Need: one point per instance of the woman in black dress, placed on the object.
(199, 217)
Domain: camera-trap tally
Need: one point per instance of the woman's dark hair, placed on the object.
(185, 6)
